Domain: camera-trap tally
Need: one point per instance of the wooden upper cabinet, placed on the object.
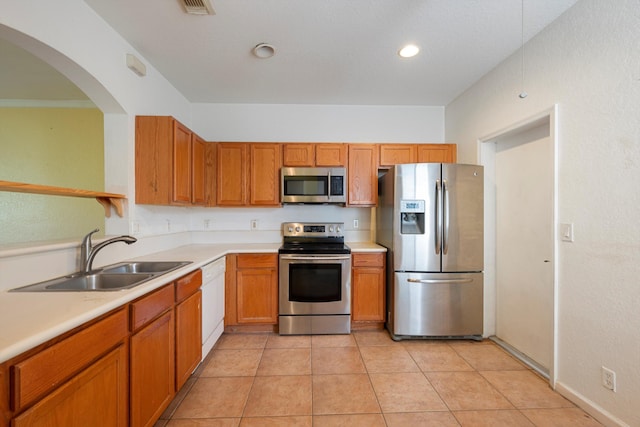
(395, 154)
(437, 153)
(298, 155)
(314, 154)
(198, 171)
(231, 173)
(264, 185)
(363, 175)
(170, 163)
(181, 164)
(210, 178)
(154, 157)
(331, 155)
(248, 174)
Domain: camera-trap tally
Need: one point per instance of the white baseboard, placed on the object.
(590, 407)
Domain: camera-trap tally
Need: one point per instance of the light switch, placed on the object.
(566, 232)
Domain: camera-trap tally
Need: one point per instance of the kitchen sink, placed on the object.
(98, 282)
(125, 275)
(154, 267)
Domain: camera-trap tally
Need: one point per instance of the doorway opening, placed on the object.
(520, 239)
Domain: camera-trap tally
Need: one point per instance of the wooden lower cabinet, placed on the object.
(188, 337)
(152, 366)
(122, 369)
(368, 287)
(97, 396)
(251, 288)
(79, 379)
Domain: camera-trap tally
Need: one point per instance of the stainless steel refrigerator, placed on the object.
(430, 219)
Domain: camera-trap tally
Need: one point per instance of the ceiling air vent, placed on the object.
(198, 7)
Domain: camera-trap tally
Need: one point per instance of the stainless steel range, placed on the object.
(315, 279)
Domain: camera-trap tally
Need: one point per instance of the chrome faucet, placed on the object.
(88, 252)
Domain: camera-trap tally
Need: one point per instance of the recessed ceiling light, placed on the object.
(409, 51)
(264, 50)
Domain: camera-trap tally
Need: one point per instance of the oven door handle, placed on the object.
(312, 258)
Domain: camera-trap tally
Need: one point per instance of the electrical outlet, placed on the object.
(609, 379)
(207, 224)
(356, 223)
(254, 224)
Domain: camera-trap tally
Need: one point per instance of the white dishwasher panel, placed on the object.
(212, 304)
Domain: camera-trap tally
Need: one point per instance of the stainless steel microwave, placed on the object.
(313, 185)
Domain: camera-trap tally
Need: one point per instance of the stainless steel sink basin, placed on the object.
(154, 267)
(88, 282)
(99, 282)
(115, 277)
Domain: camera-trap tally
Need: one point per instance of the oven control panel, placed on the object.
(315, 229)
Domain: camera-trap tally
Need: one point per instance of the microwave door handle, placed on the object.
(329, 186)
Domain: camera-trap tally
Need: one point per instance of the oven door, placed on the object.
(315, 284)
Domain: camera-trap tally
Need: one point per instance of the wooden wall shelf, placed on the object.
(105, 199)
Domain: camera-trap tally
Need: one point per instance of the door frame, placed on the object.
(486, 154)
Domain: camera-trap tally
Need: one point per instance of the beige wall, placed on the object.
(50, 146)
(588, 63)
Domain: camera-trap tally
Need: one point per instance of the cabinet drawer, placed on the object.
(150, 306)
(368, 260)
(257, 260)
(188, 285)
(41, 373)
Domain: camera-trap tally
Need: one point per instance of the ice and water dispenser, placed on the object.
(412, 216)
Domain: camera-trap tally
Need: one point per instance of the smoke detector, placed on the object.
(198, 7)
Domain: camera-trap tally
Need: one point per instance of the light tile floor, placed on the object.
(365, 379)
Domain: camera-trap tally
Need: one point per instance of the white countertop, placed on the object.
(28, 319)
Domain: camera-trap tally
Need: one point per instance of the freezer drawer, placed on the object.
(436, 305)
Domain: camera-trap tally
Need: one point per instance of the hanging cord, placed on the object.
(523, 94)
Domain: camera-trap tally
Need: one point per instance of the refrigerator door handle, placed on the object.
(438, 218)
(432, 281)
(445, 216)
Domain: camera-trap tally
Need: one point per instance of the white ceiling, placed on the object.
(327, 51)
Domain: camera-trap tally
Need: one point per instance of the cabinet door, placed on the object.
(198, 170)
(188, 337)
(153, 160)
(210, 173)
(265, 175)
(181, 164)
(257, 293)
(152, 370)
(437, 153)
(331, 155)
(96, 397)
(395, 154)
(368, 286)
(363, 174)
(231, 174)
(298, 155)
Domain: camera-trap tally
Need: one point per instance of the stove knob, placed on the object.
(337, 229)
(297, 229)
(331, 229)
(290, 229)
